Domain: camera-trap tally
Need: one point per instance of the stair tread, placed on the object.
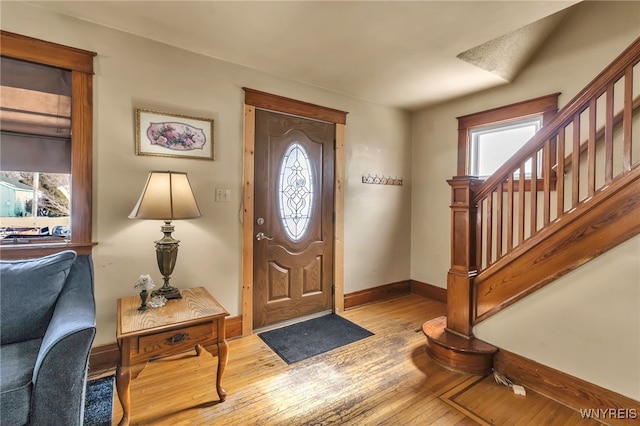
(436, 331)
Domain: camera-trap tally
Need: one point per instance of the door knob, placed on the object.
(260, 236)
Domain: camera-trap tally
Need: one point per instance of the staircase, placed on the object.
(515, 232)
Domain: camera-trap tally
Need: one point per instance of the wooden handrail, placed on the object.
(546, 154)
(577, 105)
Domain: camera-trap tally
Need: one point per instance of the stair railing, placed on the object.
(584, 149)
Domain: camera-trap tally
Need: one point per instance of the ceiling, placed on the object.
(402, 54)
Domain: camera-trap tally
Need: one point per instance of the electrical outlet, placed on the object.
(223, 195)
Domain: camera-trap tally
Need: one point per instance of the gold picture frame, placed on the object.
(164, 134)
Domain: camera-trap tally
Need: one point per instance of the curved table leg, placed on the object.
(124, 375)
(223, 353)
(123, 382)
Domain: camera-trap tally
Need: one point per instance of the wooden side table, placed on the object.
(196, 320)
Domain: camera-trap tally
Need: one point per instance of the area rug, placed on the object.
(309, 338)
(98, 405)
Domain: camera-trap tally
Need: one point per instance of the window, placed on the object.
(296, 191)
(35, 167)
(27, 197)
(46, 142)
(487, 139)
(491, 146)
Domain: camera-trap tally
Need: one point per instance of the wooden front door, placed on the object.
(293, 210)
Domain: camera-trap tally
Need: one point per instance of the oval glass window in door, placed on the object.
(295, 188)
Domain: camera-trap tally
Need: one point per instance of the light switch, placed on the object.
(223, 195)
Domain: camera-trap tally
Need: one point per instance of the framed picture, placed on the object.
(173, 135)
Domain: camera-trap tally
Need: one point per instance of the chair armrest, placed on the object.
(59, 376)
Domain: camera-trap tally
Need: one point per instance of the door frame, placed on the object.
(261, 100)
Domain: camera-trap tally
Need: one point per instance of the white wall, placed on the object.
(586, 324)
(584, 44)
(132, 72)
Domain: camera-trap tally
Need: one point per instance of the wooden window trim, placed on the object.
(80, 63)
(547, 106)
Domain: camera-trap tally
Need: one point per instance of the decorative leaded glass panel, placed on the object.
(295, 188)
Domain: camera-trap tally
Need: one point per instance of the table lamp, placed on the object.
(166, 196)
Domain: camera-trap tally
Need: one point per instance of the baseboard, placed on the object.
(429, 290)
(104, 358)
(377, 294)
(615, 409)
(233, 327)
(393, 290)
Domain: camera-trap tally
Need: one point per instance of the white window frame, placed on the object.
(545, 106)
(475, 144)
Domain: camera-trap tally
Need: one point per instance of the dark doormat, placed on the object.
(313, 337)
(98, 405)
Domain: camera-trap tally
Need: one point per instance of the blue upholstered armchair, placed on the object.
(47, 313)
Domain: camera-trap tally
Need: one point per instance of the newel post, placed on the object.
(463, 255)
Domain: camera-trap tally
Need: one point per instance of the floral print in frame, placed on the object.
(173, 135)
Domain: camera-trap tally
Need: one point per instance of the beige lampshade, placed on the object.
(166, 196)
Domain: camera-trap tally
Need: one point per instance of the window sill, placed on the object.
(22, 251)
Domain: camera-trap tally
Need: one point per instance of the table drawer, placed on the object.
(175, 341)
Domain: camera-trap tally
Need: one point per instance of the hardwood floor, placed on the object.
(385, 379)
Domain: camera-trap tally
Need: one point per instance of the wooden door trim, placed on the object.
(262, 100)
(277, 103)
(247, 219)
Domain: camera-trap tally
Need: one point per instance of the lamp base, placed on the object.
(167, 254)
(168, 292)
